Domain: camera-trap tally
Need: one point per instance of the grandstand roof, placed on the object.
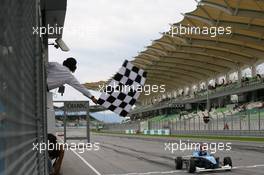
(95, 85)
(184, 60)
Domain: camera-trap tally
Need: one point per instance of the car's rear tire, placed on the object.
(217, 159)
(228, 161)
(192, 166)
(178, 163)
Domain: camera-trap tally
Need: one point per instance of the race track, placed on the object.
(138, 155)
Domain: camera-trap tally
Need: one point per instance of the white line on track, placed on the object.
(84, 161)
(250, 166)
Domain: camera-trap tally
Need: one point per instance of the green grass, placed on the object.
(207, 137)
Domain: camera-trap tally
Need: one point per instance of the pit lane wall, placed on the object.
(22, 89)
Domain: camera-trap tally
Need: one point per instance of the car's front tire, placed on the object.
(192, 166)
(178, 163)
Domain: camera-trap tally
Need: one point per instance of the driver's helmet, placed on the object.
(203, 150)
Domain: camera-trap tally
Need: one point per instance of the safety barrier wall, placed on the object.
(130, 131)
(248, 123)
(22, 90)
(116, 127)
(243, 123)
(157, 132)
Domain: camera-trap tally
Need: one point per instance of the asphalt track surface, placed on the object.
(137, 155)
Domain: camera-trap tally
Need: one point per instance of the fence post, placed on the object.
(172, 126)
(240, 127)
(249, 121)
(259, 119)
(64, 123)
(88, 124)
(176, 123)
(189, 124)
(217, 128)
(232, 122)
(194, 123)
(185, 124)
(180, 123)
(199, 122)
(213, 122)
(224, 119)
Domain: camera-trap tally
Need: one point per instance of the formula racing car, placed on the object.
(202, 161)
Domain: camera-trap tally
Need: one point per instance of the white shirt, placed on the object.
(58, 75)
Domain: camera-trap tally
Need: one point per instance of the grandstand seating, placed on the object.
(250, 82)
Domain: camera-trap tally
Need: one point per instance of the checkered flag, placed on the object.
(122, 92)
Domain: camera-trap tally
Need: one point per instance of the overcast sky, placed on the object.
(102, 33)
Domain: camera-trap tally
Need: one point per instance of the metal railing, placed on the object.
(243, 123)
(247, 123)
(22, 90)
